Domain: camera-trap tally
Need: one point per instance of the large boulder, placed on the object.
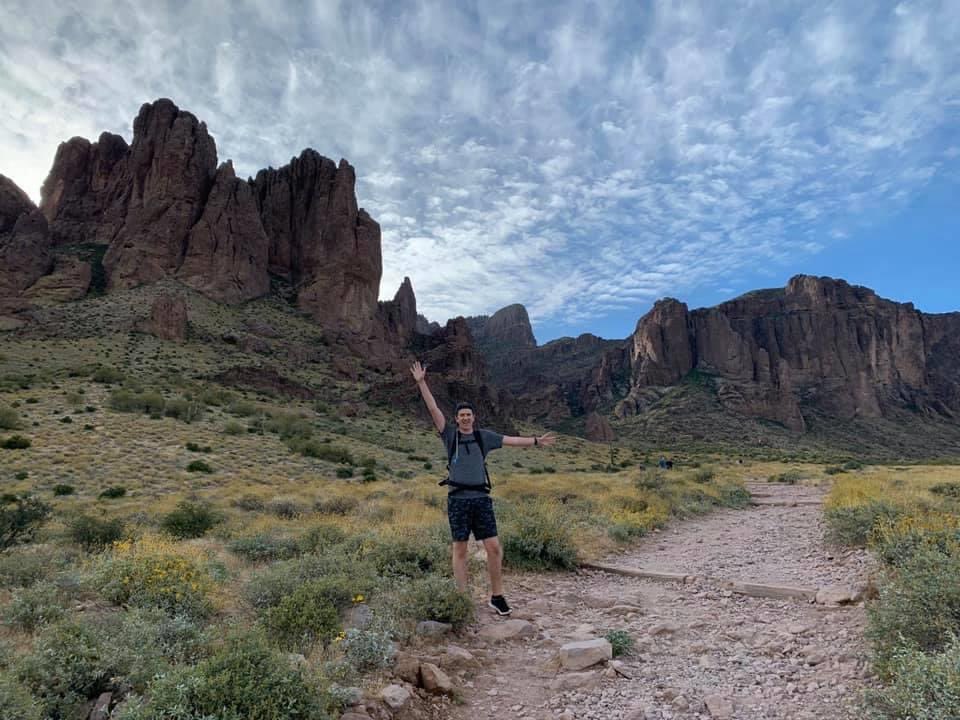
(168, 319)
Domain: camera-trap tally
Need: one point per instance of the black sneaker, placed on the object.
(498, 603)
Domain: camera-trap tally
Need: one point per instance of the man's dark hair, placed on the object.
(466, 406)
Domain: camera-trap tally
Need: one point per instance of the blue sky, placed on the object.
(581, 158)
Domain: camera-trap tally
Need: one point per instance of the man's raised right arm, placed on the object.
(419, 373)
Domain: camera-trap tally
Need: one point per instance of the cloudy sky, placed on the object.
(581, 158)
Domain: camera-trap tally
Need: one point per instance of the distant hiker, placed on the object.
(665, 464)
(469, 507)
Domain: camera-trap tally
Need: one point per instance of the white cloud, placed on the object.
(576, 159)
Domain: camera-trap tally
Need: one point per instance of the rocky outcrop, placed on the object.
(399, 315)
(320, 240)
(168, 319)
(81, 187)
(227, 249)
(507, 330)
(599, 429)
(158, 194)
(25, 247)
(69, 280)
(818, 343)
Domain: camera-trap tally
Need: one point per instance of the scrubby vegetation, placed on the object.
(915, 621)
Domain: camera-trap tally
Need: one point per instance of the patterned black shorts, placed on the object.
(468, 515)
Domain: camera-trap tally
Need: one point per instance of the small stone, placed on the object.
(434, 680)
(719, 707)
(508, 630)
(395, 696)
(584, 653)
(101, 709)
(665, 628)
(432, 628)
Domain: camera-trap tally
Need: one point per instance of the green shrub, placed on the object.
(150, 403)
(704, 476)
(854, 525)
(154, 573)
(107, 375)
(66, 419)
(35, 606)
(323, 451)
(408, 556)
(186, 410)
(303, 618)
(336, 505)
(61, 489)
(621, 641)
(250, 503)
(21, 475)
(918, 607)
(853, 465)
(790, 477)
(263, 547)
(16, 702)
(234, 428)
(289, 426)
(9, 418)
(244, 679)
(193, 447)
(242, 408)
(285, 508)
(322, 537)
(649, 480)
(434, 597)
(833, 470)
(190, 520)
(23, 566)
(950, 490)
(537, 536)
(268, 587)
(344, 472)
(16, 442)
(199, 466)
(367, 650)
(111, 493)
(94, 533)
(67, 666)
(20, 519)
(369, 475)
(922, 686)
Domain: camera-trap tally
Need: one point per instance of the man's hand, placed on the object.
(418, 371)
(548, 439)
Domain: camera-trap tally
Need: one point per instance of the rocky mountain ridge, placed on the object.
(115, 216)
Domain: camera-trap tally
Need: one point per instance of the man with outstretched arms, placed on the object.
(469, 507)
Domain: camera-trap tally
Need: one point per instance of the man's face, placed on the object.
(465, 420)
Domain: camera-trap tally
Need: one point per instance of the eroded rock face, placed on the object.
(68, 281)
(819, 342)
(25, 247)
(160, 194)
(507, 329)
(599, 429)
(400, 314)
(80, 188)
(227, 249)
(168, 319)
(321, 240)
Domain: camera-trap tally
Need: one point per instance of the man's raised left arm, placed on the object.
(535, 441)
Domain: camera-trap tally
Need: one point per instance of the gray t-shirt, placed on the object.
(466, 465)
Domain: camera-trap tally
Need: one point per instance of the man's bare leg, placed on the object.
(494, 564)
(460, 564)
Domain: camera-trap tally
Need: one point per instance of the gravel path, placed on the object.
(701, 650)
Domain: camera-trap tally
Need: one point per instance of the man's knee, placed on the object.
(493, 547)
(460, 550)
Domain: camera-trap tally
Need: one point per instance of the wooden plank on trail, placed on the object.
(638, 572)
(777, 592)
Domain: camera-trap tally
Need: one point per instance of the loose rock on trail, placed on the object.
(706, 645)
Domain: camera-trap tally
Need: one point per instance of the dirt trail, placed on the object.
(702, 649)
